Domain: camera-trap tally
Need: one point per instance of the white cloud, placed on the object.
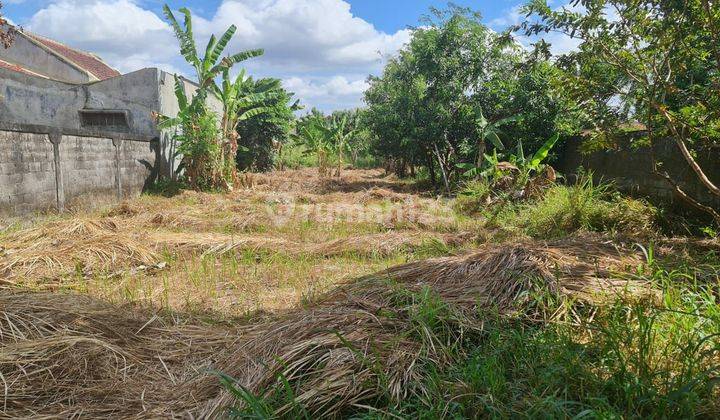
(304, 40)
(119, 31)
(511, 17)
(324, 93)
(308, 35)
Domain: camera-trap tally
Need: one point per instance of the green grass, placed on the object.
(585, 206)
(639, 358)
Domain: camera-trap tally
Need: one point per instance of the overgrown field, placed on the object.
(358, 296)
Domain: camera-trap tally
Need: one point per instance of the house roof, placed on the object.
(83, 60)
(15, 67)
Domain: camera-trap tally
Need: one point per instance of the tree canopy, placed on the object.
(454, 86)
(652, 61)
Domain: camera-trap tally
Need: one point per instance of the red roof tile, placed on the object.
(17, 68)
(86, 61)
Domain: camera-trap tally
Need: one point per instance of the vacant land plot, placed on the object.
(352, 295)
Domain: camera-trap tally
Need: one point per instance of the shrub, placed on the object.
(472, 199)
(565, 209)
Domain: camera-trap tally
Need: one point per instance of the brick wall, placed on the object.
(137, 166)
(90, 169)
(27, 172)
(88, 166)
(631, 169)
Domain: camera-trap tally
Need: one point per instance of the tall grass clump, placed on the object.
(587, 206)
(473, 197)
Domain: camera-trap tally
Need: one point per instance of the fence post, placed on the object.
(55, 137)
(117, 142)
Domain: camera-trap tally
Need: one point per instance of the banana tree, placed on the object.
(208, 68)
(340, 135)
(195, 138)
(490, 132)
(315, 134)
(240, 102)
(211, 65)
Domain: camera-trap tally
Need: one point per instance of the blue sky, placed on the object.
(322, 49)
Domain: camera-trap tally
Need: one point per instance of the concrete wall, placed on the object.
(33, 57)
(91, 163)
(33, 100)
(27, 172)
(88, 166)
(137, 92)
(631, 170)
(27, 99)
(46, 171)
(137, 161)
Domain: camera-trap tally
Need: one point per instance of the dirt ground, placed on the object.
(131, 310)
(281, 238)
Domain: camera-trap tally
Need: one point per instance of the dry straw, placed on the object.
(69, 355)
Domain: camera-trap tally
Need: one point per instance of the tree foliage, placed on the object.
(455, 88)
(266, 133)
(654, 61)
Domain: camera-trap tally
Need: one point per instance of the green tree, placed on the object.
(209, 154)
(267, 132)
(655, 61)
(424, 109)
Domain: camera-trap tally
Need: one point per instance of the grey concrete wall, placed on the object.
(88, 166)
(44, 171)
(136, 92)
(33, 57)
(27, 172)
(631, 170)
(27, 99)
(137, 163)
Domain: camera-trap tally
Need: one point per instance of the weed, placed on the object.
(588, 206)
(473, 198)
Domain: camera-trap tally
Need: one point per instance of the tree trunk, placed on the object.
(442, 168)
(431, 169)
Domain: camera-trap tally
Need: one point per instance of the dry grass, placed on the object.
(315, 314)
(67, 354)
(290, 213)
(72, 245)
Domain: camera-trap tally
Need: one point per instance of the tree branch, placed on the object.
(686, 154)
(680, 192)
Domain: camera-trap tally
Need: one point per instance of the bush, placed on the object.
(295, 156)
(472, 199)
(588, 206)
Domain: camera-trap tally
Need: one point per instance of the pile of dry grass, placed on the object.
(382, 244)
(78, 244)
(71, 356)
(64, 355)
(378, 244)
(218, 243)
(377, 193)
(363, 341)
